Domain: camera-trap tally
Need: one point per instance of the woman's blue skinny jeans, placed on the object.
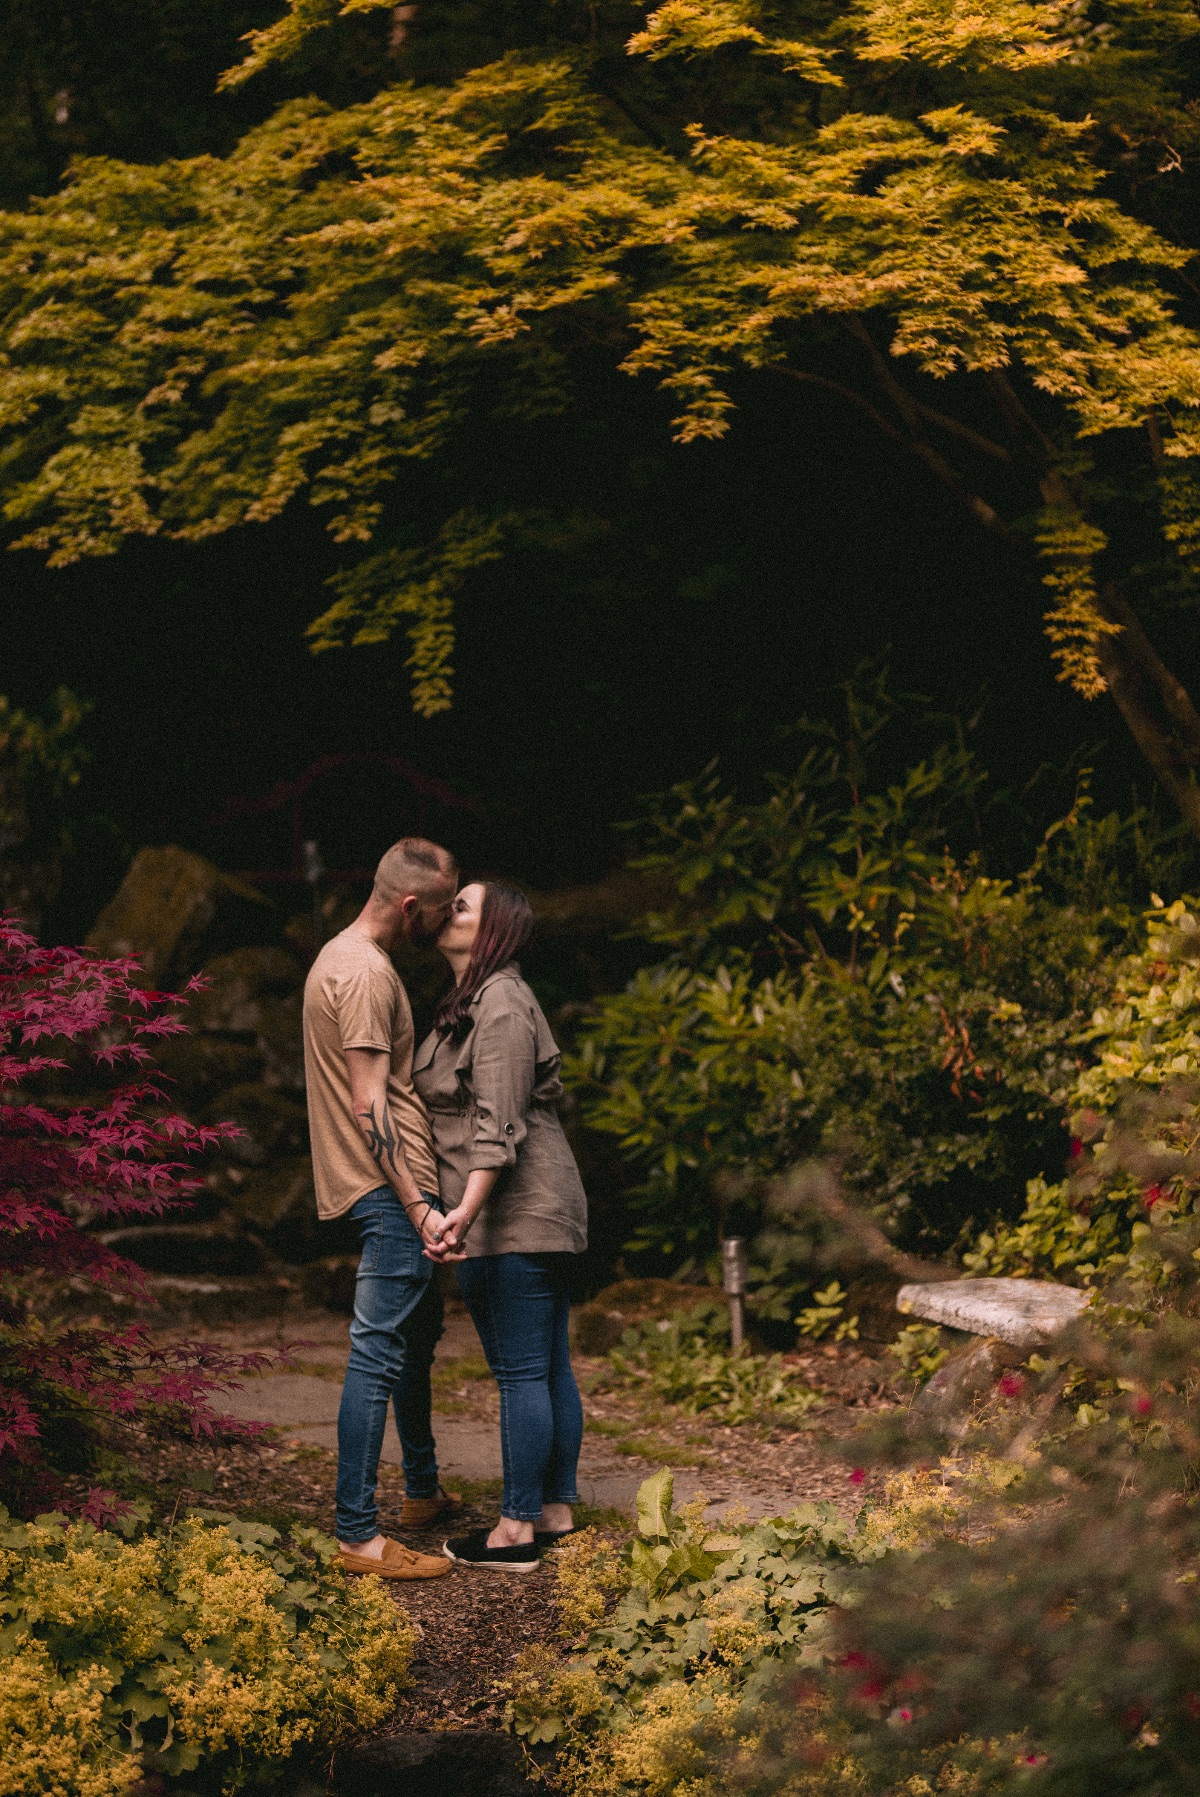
(519, 1305)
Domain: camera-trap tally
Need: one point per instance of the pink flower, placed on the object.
(1152, 1195)
(1010, 1384)
(1142, 1405)
(858, 1475)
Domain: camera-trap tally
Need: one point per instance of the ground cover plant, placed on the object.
(70, 1020)
(701, 1613)
(684, 1360)
(211, 1651)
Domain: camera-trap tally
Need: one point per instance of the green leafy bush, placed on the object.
(213, 1649)
(838, 980)
(682, 1360)
(1136, 1120)
(700, 1614)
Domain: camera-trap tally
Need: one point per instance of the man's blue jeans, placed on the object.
(519, 1305)
(397, 1323)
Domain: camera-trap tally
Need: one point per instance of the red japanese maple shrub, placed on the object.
(64, 1164)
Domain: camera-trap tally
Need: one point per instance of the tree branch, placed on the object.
(847, 393)
(918, 443)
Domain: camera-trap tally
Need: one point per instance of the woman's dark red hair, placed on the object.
(505, 930)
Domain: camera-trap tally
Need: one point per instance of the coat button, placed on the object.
(508, 1129)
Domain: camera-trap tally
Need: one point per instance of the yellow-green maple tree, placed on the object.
(867, 198)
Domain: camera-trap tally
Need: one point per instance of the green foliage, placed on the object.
(681, 1360)
(827, 1309)
(919, 1350)
(840, 983)
(41, 762)
(1131, 1181)
(215, 1649)
(701, 1613)
(846, 198)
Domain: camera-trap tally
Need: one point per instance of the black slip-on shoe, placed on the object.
(473, 1550)
(547, 1538)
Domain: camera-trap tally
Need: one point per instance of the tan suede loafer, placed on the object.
(397, 1562)
(419, 1513)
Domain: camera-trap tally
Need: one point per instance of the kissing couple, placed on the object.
(452, 1154)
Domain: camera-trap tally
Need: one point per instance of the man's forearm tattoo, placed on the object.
(383, 1141)
(381, 1138)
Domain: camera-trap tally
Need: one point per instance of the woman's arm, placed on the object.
(451, 1231)
(503, 1069)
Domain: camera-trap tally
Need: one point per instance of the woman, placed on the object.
(516, 1213)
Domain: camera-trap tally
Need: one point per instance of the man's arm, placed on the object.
(368, 1069)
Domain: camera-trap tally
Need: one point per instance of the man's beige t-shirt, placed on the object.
(353, 998)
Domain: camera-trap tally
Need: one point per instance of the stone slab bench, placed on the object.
(1022, 1312)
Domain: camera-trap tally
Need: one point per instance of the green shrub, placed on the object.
(682, 1360)
(700, 1614)
(842, 977)
(1134, 1112)
(213, 1649)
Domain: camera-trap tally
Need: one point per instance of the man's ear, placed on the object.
(410, 904)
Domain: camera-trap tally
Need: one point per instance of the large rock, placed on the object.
(1023, 1312)
(188, 1248)
(272, 1125)
(967, 1378)
(448, 1763)
(254, 996)
(174, 910)
(278, 1204)
(203, 1066)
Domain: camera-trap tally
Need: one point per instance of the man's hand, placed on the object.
(450, 1235)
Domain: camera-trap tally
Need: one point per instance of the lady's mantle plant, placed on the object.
(66, 1014)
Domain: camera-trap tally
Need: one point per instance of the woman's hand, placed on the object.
(453, 1227)
(451, 1234)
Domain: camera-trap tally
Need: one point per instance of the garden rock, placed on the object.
(203, 1066)
(278, 1203)
(184, 1248)
(173, 910)
(272, 1124)
(1023, 1312)
(254, 996)
(969, 1376)
(436, 1764)
(330, 1282)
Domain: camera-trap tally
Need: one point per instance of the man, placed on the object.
(373, 1160)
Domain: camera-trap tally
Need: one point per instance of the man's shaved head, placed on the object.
(415, 866)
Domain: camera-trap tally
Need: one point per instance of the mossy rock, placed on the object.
(598, 1326)
(272, 1124)
(174, 910)
(278, 1203)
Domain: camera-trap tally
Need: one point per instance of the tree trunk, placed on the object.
(1155, 705)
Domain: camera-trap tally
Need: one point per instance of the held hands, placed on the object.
(447, 1239)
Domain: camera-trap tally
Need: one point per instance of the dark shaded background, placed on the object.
(681, 604)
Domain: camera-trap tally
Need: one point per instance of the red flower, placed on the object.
(1076, 1148)
(1152, 1195)
(1010, 1384)
(858, 1475)
(1142, 1405)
